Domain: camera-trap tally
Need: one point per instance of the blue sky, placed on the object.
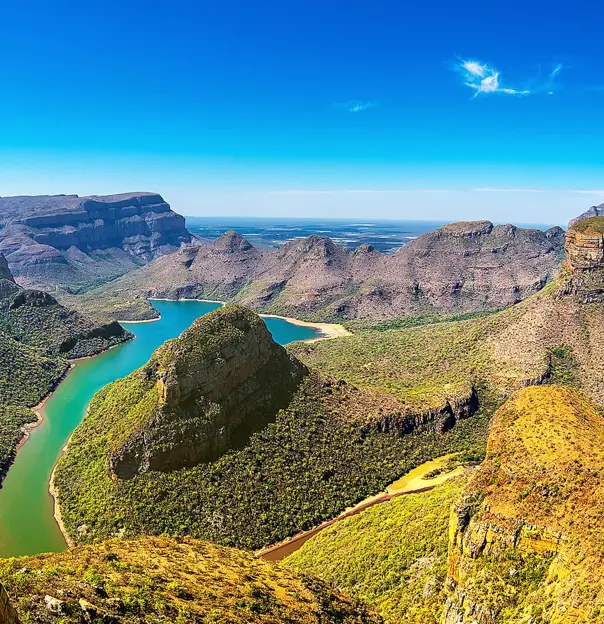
(431, 110)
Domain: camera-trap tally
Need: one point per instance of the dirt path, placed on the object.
(412, 483)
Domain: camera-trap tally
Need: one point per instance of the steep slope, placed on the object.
(169, 580)
(594, 211)
(183, 445)
(34, 318)
(463, 267)
(525, 542)
(393, 556)
(37, 335)
(75, 241)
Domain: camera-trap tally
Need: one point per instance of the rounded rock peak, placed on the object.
(231, 241)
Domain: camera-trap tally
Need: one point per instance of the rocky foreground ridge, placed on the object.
(460, 268)
(67, 240)
(168, 580)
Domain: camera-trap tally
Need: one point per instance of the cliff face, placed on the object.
(463, 267)
(204, 393)
(585, 259)
(525, 540)
(71, 240)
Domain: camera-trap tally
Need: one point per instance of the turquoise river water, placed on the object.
(27, 524)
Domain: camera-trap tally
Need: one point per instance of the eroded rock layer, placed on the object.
(525, 540)
(71, 240)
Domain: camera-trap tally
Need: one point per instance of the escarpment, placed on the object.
(462, 267)
(204, 393)
(525, 539)
(72, 241)
(585, 259)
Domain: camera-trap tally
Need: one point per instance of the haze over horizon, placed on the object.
(354, 110)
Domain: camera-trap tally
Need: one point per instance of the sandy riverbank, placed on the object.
(328, 330)
(413, 482)
(56, 507)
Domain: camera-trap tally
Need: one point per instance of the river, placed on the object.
(27, 524)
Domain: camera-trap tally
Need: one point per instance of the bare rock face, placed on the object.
(67, 240)
(204, 393)
(585, 259)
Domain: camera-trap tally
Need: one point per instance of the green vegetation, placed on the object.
(393, 556)
(13, 419)
(328, 442)
(170, 580)
(591, 225)
(97, 304)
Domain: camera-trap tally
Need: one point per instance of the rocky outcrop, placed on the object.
(463, 267)
(204, 393)
(525, 540)
(71, 240)
(7, 614)
(585, 259)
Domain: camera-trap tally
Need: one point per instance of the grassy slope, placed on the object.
(535, 506)
(393, 556)
(167, 580)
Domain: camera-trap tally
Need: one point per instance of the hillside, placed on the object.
(460, 268)
(37, 337)
(130, 468)
(526, 538)
(169, 580)
(393, 556)
(74, 242)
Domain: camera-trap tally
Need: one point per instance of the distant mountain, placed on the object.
(74, 241)
(462, 267)
(594, 211)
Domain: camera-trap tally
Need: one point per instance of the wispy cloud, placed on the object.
(486, 79)
(509, 190)
(356, 106)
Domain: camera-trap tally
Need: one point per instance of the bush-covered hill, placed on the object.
(37, 337)
(330, 446)
(393, 556)
(181, 581)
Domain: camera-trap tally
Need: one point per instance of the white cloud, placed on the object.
(356, 106)
(484, 79)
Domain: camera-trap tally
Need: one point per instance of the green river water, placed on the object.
(27, 524)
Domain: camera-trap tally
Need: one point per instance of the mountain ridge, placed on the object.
(460, 268)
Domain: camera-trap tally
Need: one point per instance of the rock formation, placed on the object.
(525, 540)
(594, 211)
(71, 240)
(585, 259)
(463, 267)
(8, 615)
(204, 393)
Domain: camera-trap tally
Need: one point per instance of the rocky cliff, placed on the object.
(594, 211)
(525, 540)
(203, 394)
(73, 241)
(463, 267)
(585, 259)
